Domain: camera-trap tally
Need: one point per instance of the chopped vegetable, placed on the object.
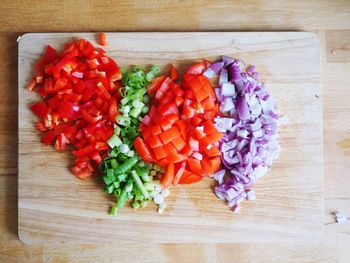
(79, 89)
(103, 41)
(250, 141)
(170, 137)
(123, 173)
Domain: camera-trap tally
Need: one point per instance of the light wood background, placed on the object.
(329, 19)
(53, 206)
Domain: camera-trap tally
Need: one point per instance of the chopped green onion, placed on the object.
(125, 109)
(137, 68)
(123, 70)
(123, 173)
(110, 173)
(116, 184)
(113, 210)
(114, 163)
(139, 184)
(122, 199)
(124, 100)
(126, 166)
(137, 104)
(135, 112)
(135, 205)
(145, 109)
(117, 130)
(146, 99)
(129, 186)
(107, 180)
(150, 75)
(117, 192)
(110, 189)
(124, 148)
(145, 178)
(114, 141)
(123, 120)
(122, 177)
(155, 69)
(130, 153)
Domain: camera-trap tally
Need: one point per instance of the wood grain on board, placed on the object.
(174, 15)
(54, 206)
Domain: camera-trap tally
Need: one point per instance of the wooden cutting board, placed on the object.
(54, 206)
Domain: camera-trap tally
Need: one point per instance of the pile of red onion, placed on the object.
(250, 126)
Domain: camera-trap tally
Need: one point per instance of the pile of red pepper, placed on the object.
(79, 90)
(178, 133)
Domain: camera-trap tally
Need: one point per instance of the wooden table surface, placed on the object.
(329, 19)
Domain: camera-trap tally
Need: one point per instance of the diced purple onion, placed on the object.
(250, 126)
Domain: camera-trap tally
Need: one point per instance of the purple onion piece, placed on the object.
(250, 142)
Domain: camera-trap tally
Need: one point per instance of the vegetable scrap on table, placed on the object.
(144, 132)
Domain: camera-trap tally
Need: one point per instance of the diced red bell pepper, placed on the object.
(61, 142)
(39, 109)
(103, 41)
(174, 75)
(143, 150)
(168, 176)
(189, 178)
